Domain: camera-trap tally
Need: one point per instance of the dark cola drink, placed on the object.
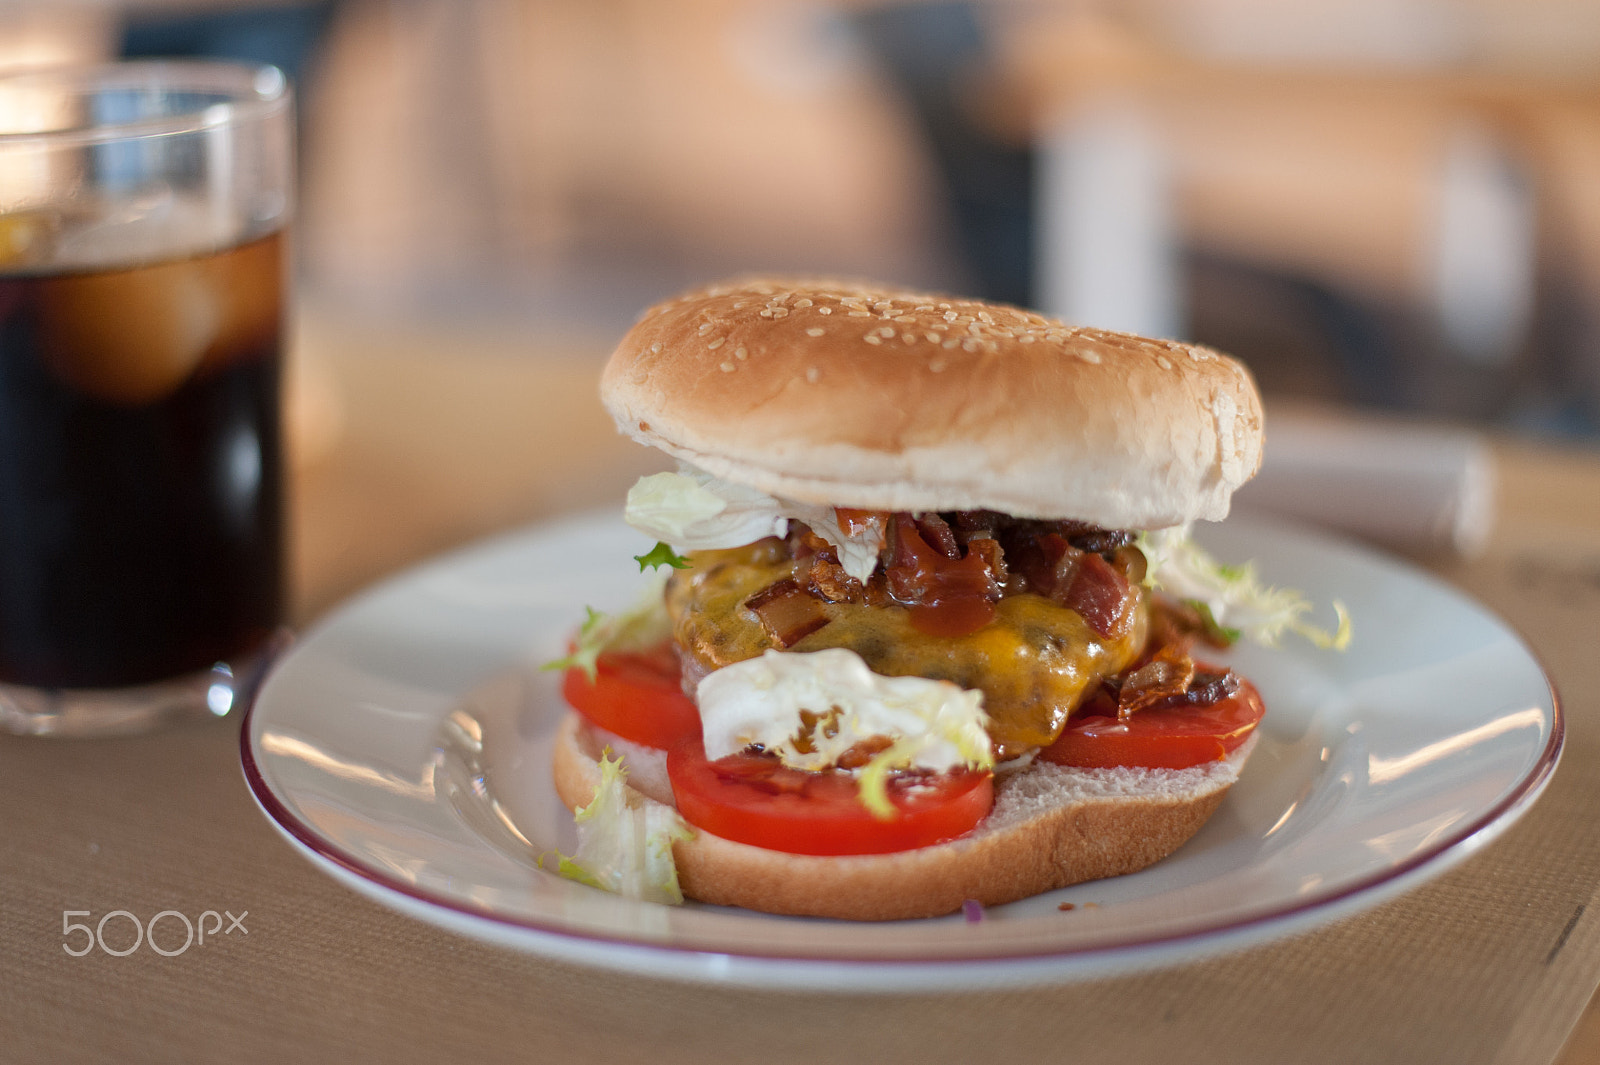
(141, 488)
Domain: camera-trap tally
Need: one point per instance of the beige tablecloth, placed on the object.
(444, 438)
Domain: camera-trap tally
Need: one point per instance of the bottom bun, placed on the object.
(1051, 826)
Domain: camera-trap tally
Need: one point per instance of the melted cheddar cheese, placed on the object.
(1035, 662)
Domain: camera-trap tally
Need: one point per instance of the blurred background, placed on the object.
(1393, 204)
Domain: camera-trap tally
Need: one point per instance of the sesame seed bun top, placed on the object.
(859, 395)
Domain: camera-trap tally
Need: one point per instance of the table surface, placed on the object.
(411, 443)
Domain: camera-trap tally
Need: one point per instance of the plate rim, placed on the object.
(1139, 951)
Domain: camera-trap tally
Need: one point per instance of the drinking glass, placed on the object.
(143, 214)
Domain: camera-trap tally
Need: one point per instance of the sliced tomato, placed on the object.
(637, 695)
(1160, 739)
(757, 800)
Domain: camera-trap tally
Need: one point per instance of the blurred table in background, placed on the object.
(412, 441)
(476, 429)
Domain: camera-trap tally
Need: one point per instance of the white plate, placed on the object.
(404, 744)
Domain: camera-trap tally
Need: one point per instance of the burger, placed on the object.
(927, 627)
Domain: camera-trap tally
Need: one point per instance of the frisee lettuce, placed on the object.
(625, 841)
(872, 785)
(1232, 594)
(661, 555)
(642, 625)
(949, 725)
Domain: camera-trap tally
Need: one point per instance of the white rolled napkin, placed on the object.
(1420, 488)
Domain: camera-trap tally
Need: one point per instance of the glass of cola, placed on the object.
(143, 215)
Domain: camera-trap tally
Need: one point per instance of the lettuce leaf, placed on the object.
(1233, 594)
(625, 841)
(694, 511)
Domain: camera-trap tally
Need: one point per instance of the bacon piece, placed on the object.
(1101, 595)
(938, 535)
(994, 559)
(1209, 688)
(1166, 675)
(1168, 680)
(1086, 537)
(1077, 579)
(826, 579)
(1046, 563)
(788, 612)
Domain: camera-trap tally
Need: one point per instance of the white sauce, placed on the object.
(935, 724)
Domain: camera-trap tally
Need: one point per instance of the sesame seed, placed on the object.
(1028, 338)
(874, 338)
(780, 312)
(1163, 362)
(905, 318)
(950, 342)
(740, 352)
(812, 375)
(824, 310)
(985, 316)
(886, 331)
(924, 306)
(705, 327)
(766, 312)
(909, 338)
(1092, 357)
(655, 349)
(728, 367)
(802, 302)
(739, 306)
(969, 344)
(861, 314)
(814, 331)
(933, 338)
(717, 343)
(949, 316)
